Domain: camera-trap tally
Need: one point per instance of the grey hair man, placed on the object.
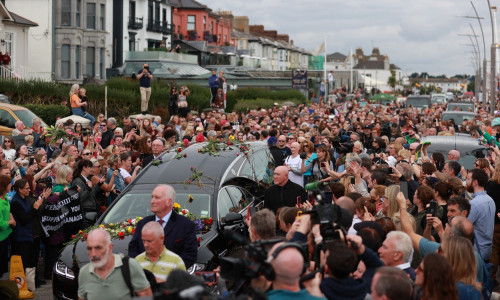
(102, 277)
(157, 258)
(396, 251)
(391, 283)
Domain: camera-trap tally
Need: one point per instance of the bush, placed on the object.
(48, 113)
(244, 105)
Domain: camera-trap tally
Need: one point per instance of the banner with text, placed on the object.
(299, 79)
(67, 210)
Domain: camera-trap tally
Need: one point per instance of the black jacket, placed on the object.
(287, 195)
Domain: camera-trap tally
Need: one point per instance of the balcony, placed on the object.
(160, 27)
(135, 23)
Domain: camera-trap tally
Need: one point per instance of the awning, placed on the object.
(164, 69)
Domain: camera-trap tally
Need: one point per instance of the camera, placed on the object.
(303, 155)
(45, 183)
(432, 208)
(254, 264)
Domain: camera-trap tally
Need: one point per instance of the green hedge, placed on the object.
(124, 97)
(48, 113)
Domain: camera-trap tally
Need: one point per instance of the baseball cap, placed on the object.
(272, 141)
(495, 122)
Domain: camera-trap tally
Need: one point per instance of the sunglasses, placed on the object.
(87, 153)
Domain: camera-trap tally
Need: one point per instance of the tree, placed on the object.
(414, 75)
(392, 80)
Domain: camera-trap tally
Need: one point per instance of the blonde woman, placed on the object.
(77, 104)
(460, 253)
(389, 204)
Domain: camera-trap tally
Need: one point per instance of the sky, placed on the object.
(418, 35)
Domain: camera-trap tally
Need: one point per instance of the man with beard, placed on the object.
(482, 212)
(102, 278)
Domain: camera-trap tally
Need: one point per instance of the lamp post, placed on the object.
(483, 95)
(493, 85)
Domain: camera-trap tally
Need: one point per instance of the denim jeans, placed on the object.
(79, 112)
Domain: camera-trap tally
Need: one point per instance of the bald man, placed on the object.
(179, 233)
(284, 192)
(453, 155)
(288, 265)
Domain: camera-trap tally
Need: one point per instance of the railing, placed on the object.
(22, 73)
(135, 23)
(161, 27)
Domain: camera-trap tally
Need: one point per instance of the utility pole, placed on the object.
(483, 85)
(493, 84)
(476, 59)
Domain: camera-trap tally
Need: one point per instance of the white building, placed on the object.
(16, 31)
(138, 25)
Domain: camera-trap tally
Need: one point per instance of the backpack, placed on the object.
(128, 281)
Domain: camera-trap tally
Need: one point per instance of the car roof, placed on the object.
(176, 171)
(464, 143)
(419, 96)
(459, 112)
(12, 106)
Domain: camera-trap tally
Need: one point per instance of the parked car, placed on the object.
(4, 99)
(418, 101)
(438, 99)
(457, 116)
(470, 149)
(10, 114)
(461, 106)
(228, 185)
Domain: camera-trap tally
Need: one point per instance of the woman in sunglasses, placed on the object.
(9, 148)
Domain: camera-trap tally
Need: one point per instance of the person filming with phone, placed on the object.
(145, 76)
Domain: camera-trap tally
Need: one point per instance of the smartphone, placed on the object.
(390, 171)
(210, 278)
(406, 133)
(32, 159)
(250, 212)
(432, 208)
(353, 180)
(323, 164)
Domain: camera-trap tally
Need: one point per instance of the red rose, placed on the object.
(73, 236)
(238, 154)
(185, 155)
(133, 230)
(129, 221)
(179, 149)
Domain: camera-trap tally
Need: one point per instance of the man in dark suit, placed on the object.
(180, 236)
(156, 148)
(283, 192)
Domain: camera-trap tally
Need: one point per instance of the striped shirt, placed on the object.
(167, 262)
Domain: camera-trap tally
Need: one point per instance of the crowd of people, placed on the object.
(409, 216)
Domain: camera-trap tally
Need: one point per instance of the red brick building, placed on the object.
(194, 21)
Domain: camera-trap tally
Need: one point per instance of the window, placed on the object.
(77, 62)
(65, 61)
(204, 23)
(157, 13)
(225, 38)
(90, 62)
(66, 13)
(9, 38)
(6, 119)
(78, 12)
(90, 15)
(101, 63)
(224, 204)
(191, 25)
(102, 17)
(132, 10)
(131, 41)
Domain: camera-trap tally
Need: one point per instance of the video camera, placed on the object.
(325, 213)
(242, 270)
(342, 146)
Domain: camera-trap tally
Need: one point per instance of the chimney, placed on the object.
(291, 42)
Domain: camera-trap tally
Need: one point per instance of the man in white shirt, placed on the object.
(330, 82)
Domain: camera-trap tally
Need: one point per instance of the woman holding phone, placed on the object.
(320, 166)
